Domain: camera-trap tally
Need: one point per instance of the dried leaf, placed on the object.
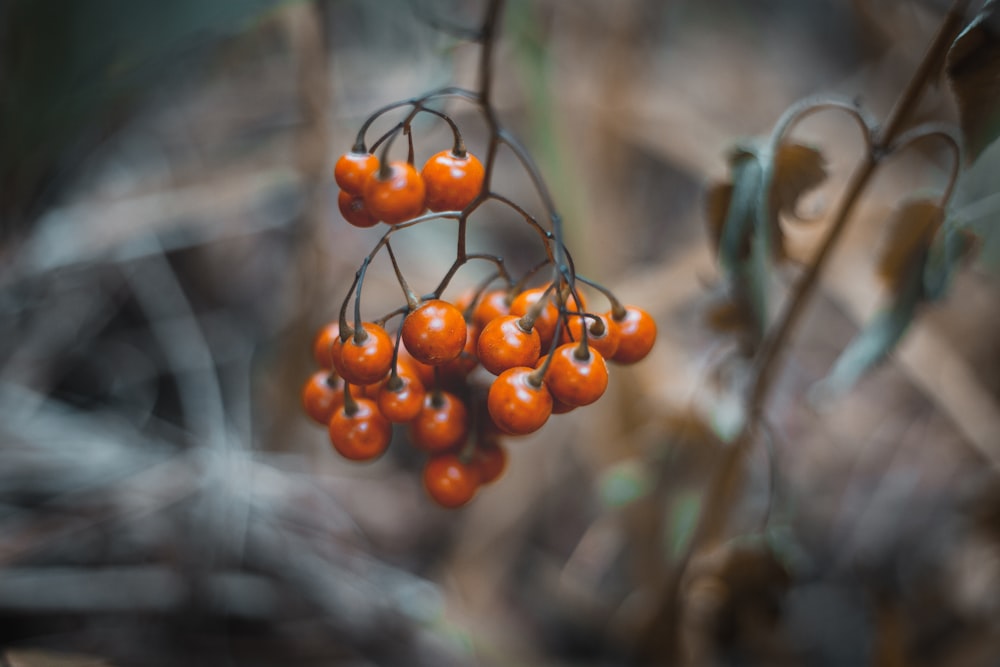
(973, 67)
(909, 235)
(797, 170)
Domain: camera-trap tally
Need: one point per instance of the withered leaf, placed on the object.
(797, 169)
(909, 234)
(973, 67)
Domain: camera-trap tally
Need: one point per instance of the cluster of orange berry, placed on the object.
(496, 362)
(395, 192)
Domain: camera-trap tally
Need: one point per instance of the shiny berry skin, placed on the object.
(504, 344)
(353, 169)
(441, 424)
(362, 435)
(449, 482)
(401, 400)
(435, 332)
(575, 380)
(606, 343)
(368, 361)
(489, 460)
(322, 394)
(516, 405)
(354, 210)
(491, 305)
(453, 182)
(323, 344)
(637, 334)
(397, 197)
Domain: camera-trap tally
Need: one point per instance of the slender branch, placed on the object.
(722, 492)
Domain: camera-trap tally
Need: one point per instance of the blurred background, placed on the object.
(170, 244)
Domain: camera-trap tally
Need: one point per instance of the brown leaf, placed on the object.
(909, 234)
(797, 169)
(973, 67)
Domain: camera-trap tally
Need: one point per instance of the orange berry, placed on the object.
(489, 460)
(516, 404)
(435, 332)
(605, 342)
(323, 344)
(504, 344)
(370, 359)
(397, 197)
(322, 394)
(361, 435)
(492, 304)
(354, 210)
(441, 424)
(575, 379)
(448, 481)
(637, 334)
(400, 400)
(352, 170)
(453, 182)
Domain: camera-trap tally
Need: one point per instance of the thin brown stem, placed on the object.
(723, 490)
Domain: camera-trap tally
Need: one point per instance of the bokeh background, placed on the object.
(171, 243)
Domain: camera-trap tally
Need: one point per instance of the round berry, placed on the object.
(489, 460)
(637, 334)
(435, 332)
(322, 394)
(504, 344)
(396, 196)
(368, 360)
(400, 399)
(576, 375)
(323, 344)
(492, 304)
(453, 182)
(517, 405)
(353, 169)
(449, 482)
(354, 210)
(605, 340)
(441, 424)
(360, 432)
